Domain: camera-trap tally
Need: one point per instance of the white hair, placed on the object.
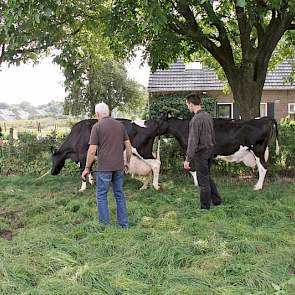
(102, 108)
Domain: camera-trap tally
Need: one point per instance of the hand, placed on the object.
(186, 165)
(85, 173)
(126, 168)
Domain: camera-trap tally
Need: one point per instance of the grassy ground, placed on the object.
(172, 247)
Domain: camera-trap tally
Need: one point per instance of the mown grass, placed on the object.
(172, 247)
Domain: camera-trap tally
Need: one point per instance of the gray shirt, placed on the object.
(201, 134)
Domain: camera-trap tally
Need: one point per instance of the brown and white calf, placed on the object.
(149, 168)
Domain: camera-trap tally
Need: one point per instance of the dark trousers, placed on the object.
(208, 189)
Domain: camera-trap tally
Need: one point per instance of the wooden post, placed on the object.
(39, 127)
(10, 135)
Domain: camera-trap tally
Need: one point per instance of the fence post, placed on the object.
(10, 136)
(39, 127)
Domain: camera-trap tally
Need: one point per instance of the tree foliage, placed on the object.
(29, 28)
(105, 81)
(236, 38)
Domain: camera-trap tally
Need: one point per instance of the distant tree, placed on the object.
(105, 81)
(26, 106)
(237, 38)
(53, 108)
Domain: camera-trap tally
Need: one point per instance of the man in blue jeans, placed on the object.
(109, 137)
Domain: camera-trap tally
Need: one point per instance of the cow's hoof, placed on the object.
(257, 187)
(143, 188)
(81, 190)
(157, 188)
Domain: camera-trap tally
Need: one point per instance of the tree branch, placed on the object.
(2, 53)
(223, 37)
(192, 30)
(245, 30)
(273, 33)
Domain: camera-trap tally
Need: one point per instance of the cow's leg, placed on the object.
(194, 175)
(156, 172)
(83, 186)
(261, 165)
(147, 180)
(82, 167)
(90, 179)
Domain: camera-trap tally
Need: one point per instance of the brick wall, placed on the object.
(280, 98)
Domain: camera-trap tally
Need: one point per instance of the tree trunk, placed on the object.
(247, 93)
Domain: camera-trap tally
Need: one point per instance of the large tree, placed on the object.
(237, 38)
(29, 28)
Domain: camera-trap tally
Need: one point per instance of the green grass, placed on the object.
(172, 247)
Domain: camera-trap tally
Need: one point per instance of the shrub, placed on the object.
(176, 106)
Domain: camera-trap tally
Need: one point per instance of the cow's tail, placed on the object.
(158, 149)
(277, 136)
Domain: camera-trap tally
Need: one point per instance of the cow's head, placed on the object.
(163, 123)
(58, 161)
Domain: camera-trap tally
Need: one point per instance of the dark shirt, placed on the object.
(109, 136)
(201, 134)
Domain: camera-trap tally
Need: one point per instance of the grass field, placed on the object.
(172, 247)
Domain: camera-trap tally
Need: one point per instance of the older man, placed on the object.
(108, 137)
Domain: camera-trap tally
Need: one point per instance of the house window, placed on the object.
(263, 109)
(224, 110)
(196, 65)
(291, 108)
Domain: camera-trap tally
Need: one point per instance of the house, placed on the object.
(6, 114)
(278, 97)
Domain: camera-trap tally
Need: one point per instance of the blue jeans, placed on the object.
(103, 180)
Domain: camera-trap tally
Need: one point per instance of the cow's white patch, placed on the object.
(139, 123)
(262, 173)
(194, 175)
(83, 186)
(242, 155)
(266, 154)
(90, 178)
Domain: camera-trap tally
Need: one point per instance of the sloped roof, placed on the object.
(7, 114)
(178, 78)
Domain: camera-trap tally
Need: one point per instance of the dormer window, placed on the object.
(196, 65)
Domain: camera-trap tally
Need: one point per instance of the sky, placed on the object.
(41, 83)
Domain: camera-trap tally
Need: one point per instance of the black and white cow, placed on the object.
(141, 134)
(236, 141)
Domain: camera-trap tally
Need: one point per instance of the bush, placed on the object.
(29, 155)
(176, 106)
